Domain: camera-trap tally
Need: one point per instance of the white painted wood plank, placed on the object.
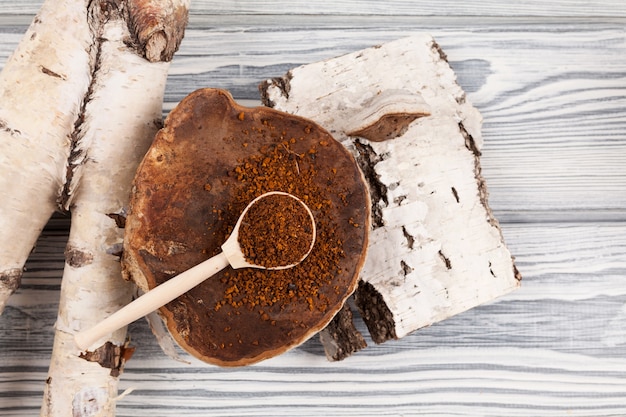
(443, 381)
(562, 8)
(555, 347)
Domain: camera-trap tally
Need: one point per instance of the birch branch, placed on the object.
(121, 116)
(435, 249)
(41, 88)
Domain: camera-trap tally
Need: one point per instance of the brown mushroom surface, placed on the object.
(211, 158)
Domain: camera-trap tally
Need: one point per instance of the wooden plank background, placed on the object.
(550, 81)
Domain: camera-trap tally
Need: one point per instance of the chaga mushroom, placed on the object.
(211, 158)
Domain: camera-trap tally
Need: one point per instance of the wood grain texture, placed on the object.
(564, 8)
(539, 351)
(552, 91)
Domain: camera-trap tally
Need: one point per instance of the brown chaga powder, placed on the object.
(278, 168)
(276, 231)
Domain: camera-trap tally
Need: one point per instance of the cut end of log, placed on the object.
(158, 26)
(156, 47)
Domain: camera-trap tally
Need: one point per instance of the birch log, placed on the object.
(41, 88)
(435, 249)
(121, 116)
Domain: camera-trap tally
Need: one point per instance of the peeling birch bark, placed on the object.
(122, 113)
(41, 88)
(163, 337)
(436, 249)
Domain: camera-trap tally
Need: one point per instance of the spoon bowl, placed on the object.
(235, 254)
(232, 254)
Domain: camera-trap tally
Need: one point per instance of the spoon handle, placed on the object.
(152, 300)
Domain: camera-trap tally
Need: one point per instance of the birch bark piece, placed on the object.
(41, 88)
(188, 193)
(435, 249)
(121, 116)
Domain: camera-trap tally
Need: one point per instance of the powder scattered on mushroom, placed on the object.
(278, 168)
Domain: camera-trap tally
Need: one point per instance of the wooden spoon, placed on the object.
(232, 254)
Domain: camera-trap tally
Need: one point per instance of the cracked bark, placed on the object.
(375, 313)
(432, 254)
(341, 338)
(367, 159)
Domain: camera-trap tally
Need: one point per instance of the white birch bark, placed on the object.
(435, 248)
(41, 90)
(122, 115)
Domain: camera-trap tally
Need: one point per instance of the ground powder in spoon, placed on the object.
(276, 231)
(277, 167)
